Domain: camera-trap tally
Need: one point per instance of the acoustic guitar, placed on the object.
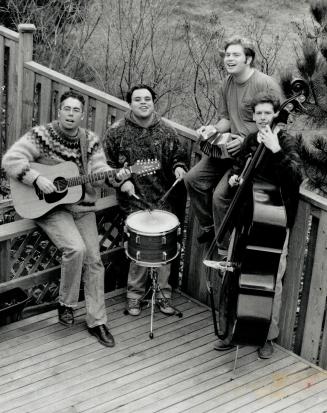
(31, 202)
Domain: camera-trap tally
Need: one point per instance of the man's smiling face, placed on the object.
(235, 60)
(142, 103)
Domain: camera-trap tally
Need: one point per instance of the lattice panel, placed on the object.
(34, 252)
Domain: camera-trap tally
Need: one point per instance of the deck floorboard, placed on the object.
(46, 367)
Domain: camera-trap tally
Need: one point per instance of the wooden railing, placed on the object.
(37, 101)
(303, 325)
(8, 86)
(303, 321)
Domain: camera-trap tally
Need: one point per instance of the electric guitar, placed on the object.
(31, 202)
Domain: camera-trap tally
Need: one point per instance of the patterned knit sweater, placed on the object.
(48, 145)
(127, 141)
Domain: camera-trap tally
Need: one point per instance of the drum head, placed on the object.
(152, 222)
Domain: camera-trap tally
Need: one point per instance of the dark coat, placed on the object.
(282, 168)
(127, 141)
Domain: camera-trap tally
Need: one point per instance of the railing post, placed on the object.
(25, 53)
(5, 260)
(317, 296)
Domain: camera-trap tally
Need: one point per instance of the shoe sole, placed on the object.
(133, 314)
(66, 324)
(223, 348)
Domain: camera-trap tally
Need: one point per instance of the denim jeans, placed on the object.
(210, 193)
(137, 278)
(76, 236)
(274, 329)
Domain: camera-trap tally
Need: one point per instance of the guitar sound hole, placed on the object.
(60, 183)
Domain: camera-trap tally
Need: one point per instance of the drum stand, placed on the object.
(156, 290)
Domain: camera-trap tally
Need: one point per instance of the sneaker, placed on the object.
(267, 350)
(165, 307)
(133, 306)
(221, 345)
(65, 315)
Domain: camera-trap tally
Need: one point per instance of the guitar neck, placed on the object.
(90, 178)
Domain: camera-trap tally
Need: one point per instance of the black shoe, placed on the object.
(221, 345)
(66, 315)
(103, 335)
(206, 235)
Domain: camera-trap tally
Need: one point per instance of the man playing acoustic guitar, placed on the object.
(280, 167)
(72, 228)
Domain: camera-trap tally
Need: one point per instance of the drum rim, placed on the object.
(139, 232)
(153, 264)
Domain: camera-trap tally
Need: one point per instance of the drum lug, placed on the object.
(138, 255)
(164, 256)
(163, 240)
(179, 231)
(137, 239)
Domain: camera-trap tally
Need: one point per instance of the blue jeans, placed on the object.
(76, 236)
(210, 193)
(137, 278)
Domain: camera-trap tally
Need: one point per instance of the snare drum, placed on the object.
(152, 237)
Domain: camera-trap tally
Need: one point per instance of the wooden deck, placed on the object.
(45, 367)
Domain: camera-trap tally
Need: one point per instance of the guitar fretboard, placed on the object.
(84, 179)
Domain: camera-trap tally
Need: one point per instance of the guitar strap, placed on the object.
(83, 145)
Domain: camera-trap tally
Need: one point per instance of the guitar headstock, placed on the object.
(145, 167)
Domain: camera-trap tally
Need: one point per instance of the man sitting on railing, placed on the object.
(143, 134)
(72, 228)
(207, 181)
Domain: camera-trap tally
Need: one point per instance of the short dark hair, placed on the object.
(264, 97)
(137, 87)
(72, 94)
(247, 45)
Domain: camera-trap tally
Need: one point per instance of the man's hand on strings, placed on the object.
(45, 185)
(269, 139)
(123, 174)
(235, 180)
(179, 172)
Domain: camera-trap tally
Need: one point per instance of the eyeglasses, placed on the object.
(68, 109)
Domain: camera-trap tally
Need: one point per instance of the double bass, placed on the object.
(257, 239)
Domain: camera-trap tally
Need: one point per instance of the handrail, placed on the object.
(9, 34)
(98, 94)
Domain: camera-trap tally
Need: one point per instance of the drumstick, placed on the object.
(163, 198)
(149, 206)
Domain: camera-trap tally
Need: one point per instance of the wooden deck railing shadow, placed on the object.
(32, 93)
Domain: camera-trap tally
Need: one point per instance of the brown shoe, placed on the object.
(267, 350)
(65, 315)
(103, 335)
